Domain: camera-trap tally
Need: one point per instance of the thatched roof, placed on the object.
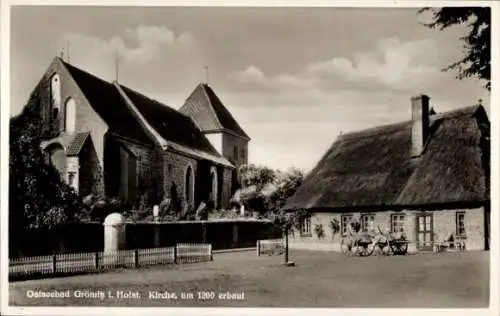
(374, 168)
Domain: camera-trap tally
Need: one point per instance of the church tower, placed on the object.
(217, 124)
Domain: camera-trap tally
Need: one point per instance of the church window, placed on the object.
(235, 152)
(70, 115)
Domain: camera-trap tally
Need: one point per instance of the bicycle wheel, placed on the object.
(365, 249)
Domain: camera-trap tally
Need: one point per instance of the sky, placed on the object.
(294, 78)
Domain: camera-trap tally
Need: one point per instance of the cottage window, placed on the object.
(397, 223)
(367, 221)
(242, 154)
(460, 222)
(305, 227)
(345, 221)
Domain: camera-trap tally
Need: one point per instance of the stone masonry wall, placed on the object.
(174, 174)
(226, 188)
(228, 144)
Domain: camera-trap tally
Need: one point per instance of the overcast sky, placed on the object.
(294, 78)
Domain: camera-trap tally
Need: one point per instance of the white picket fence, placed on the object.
(270, 247)
(102, 261)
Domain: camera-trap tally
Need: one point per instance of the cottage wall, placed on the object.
(444, 222)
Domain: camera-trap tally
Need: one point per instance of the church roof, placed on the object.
(207, 110)
(374, 168)
(107, 102)
(110, 101)
(72, 142)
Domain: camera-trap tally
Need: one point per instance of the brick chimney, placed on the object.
(420, 123)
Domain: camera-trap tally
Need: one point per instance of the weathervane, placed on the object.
(206, 74)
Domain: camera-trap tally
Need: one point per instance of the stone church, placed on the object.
(117, 142)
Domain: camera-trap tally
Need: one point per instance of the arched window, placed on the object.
(189, 186)
(70, 115)
(214, 191)
(55, 92)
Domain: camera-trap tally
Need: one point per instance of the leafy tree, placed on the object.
(286, 186)
(477, 43)
(289, 222)
(259, 176)
(38, 197)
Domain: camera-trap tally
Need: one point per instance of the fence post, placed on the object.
(211, 253)
(175, 253)
(96, 260)
(54, 260)
(258, 248)
(136, 258)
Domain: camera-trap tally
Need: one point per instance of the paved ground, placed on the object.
(319, 279)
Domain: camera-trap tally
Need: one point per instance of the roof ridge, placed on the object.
(86, 72)
(151, 99)
(211, 106)
(160, 139)
(386, 128)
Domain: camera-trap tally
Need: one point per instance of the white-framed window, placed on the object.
(305, 226)
(397, 223)
(345, 221)
(367, 222)
(71, 178)
(460, 224)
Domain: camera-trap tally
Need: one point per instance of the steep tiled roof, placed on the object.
(209, 113)
(176, 128)
(76, 144)
(72, 142)
(375, 168)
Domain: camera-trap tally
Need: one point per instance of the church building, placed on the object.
(111, 140)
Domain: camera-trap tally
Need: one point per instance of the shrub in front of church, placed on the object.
(38, 197)
(98, 207)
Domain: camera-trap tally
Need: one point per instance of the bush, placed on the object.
(318, 230)
(98, 207)
(38, 196)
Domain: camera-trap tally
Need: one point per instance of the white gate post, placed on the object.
(114, 236)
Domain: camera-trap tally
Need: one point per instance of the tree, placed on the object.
(477, 43)
(286, 185)
(38, 197)
(289, 222)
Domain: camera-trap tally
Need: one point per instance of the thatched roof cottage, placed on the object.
(428, 177)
